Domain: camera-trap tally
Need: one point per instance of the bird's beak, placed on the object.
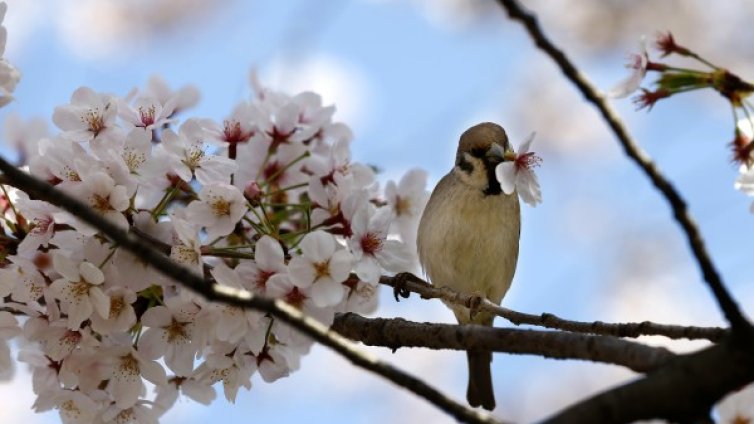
(497, 153)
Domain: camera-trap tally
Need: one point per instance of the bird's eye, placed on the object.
(479, 152)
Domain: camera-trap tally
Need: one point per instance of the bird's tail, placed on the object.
(479, 392)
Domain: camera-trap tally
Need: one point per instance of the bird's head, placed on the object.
(480, 149)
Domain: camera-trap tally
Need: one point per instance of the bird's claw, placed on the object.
(474, 303)
(399, 287)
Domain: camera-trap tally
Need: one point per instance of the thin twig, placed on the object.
(36, 188)
(727, 303)
(411, 283)
(395, 333)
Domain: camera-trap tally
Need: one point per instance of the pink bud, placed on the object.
(252, 192)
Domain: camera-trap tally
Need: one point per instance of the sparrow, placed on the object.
(468, 239)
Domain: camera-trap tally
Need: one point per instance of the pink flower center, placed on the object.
(232, 132)
(528, 160)
(41, 225)
(264, 355)
(295, 298)
(370, 243)
(147, 116)
(635, 61)
(262, 277)
(272, 172)
(278, 137)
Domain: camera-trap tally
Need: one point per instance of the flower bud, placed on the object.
(252, 192)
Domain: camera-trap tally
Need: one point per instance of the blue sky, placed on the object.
(601, 246)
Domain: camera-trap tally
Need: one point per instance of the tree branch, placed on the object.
(240, 298)
(724, 299)
(683, 390)
(403, 284)
(397, 332)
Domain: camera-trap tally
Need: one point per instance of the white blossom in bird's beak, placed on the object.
(516, 173)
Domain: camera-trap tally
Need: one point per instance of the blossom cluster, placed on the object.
(268, 201)
(674, 80)
(9, 75)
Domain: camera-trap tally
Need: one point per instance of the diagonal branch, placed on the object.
(683, 390)
(397, 332)
(403, 284)
(680, 211)
(240, 298)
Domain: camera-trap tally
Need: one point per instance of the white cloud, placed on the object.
(338, 81)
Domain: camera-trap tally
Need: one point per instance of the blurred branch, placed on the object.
(724, 299)
(683, 390)
(403, 284)
(397, 332)
(38, 189)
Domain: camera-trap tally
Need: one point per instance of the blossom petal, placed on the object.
(506, 175)
(301, 272)
(65, 266)
(159, 316)
(327, 293)
(268, 254)
(318, 246)
(91, 273)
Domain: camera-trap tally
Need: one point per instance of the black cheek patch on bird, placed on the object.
(493, 186)
(465, 165)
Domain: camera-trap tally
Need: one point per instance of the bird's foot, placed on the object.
(474, 303)
(400, 282)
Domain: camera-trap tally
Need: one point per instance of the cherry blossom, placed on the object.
(186, 155)
(138, 413)
(219, 208)
(100, 192)
(24, 135)
(407, 200)
(40, 216)
(98, 323)
(186, 248)
(128, 368)
(121, 316)
(89, 117)
(232, 323)
(167, 394)
(8, 329)
(147, 112)
(172, 333)
(183, 98)
(237, 128)
(79, 290)
(737, 407)
(516, 174)
(323, 267)
(637, 62)
(233, 369)
(22, 280)
(268, 261)
(371, 249)
(9, 75)
(75, 407)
